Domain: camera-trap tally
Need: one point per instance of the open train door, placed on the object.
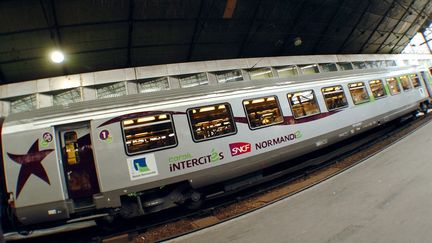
(78, 163)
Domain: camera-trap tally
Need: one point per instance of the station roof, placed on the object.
(108, 34)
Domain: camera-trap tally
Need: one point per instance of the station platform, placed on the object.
(387, 198)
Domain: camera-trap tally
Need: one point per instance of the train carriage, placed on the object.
(143, 153)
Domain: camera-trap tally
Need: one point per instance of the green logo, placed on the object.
(298, 134)
(214, 156)
(141, 165)
(44, 143)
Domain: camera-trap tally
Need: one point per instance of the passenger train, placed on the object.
(143, 153)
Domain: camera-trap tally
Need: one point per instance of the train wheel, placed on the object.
(195, 201)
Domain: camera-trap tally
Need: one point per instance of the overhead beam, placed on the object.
(117, 49)
(365, 10)
(2, 77)
(195, 31)
(249, 29)
(229, 9)
(335, 14)
(405, 7)
(396, 25)
(54, 31)
(130, 31)
(408, 29)
(424, 43)
(296, 18)
(376, 27)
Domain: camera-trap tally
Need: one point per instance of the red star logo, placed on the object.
(31, 164)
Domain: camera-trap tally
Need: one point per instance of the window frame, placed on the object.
(419, 80)
(382, 83)
(397, 83)
(365, 87)
(216, 137)
(155, 149)
(409, 82)
(262, 97)
(292, 112)
(343, 91)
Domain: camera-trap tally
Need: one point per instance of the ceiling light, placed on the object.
(57, 56)
(298, 41)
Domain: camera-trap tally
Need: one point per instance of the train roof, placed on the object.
(176, 95)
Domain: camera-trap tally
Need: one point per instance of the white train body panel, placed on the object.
(200, 163)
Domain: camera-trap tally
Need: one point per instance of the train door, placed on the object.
(78, 163)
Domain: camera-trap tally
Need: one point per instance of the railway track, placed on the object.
(281, 181)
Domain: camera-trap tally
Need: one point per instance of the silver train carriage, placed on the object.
(143, 153)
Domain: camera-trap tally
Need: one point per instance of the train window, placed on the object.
(415, 80)
(149, 133)
(152, 85)
(286, 71)
(309, 68)
(24, 103)
(229, 76)
(406, 84)
(213, 121)
(191, 80)
(372, 64)
(260, 73)
(328, 67)
(381, 63)
(262, 112)
(111, 90)
(393, 85)
(345, 66)
(334, 97)
(359, 65)
(303, 104)
(359, 93)
(377, 87)
(71, 147)
(65, 97)
(391, 63)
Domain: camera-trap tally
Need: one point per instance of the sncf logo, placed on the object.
(239, 148)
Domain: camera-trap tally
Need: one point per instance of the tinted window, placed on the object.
(260, 73)
(345, 65)
(328, 67)
(358, 92)
(334, 97)
(149, 133)
(391, 63)
(359, 65)
(211, 121)
(303, 103)
(393, 86)
(263, 111)
(309, 69)
(286, 71)
(229, 76)
(377, 87)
